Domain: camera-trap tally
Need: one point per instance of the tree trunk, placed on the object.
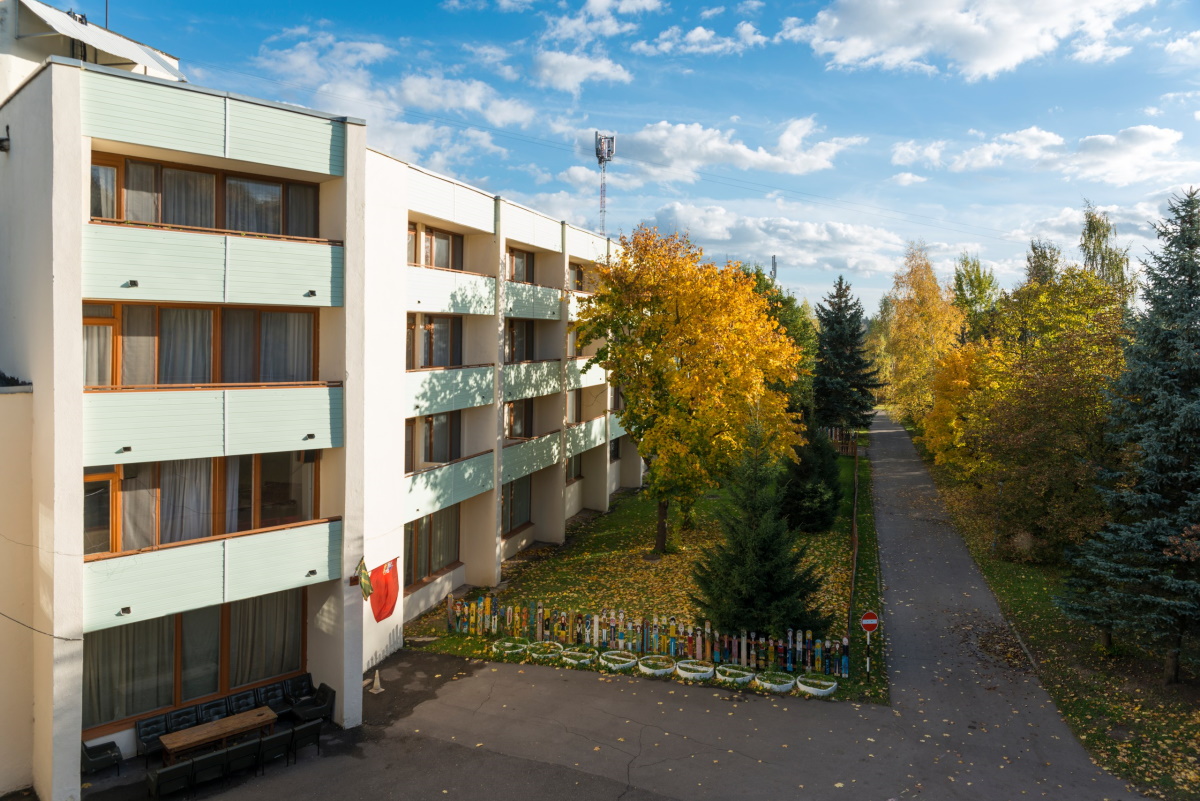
(1106, 640)
(1171, 672)
(660, 541)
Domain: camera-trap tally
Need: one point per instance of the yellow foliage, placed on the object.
(956, 379)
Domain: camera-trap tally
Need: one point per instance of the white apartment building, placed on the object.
(256, 353)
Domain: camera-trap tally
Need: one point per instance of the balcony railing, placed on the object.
(438, 290)
(528, 456)
(433, 390)
(585, 435)
(532, 379)
(578, 377)
(440, 486)
(532, 301)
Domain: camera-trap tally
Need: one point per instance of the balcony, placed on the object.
(445, 389)
(532, 379)
(574, 299)
(615, 429)
(578, 377)
(532, 302)
(435, 488)
(435, 290)
(185, 422)
(529, 456)
(131, 261)
(187, 576)
(586, 435)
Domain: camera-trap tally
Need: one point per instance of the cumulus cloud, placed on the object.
(908, 178)
(438, 93)
(975, 38)
(708, 13)
(750, 7)
(598, 19)
(702, 41)
(494, 58)
(569, 71)
(910, 152)
(1185, 48)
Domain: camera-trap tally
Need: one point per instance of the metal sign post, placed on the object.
(869, 622)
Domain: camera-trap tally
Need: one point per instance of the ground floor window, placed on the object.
(614, 450)
(575, 468)
(516, 503)
(430, 544)
(181, 659)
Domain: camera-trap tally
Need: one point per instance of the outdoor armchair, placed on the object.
(213, 710)
(99, 756)
(209, 767)
(180, 719)
(274, 746)
(272, 696)
(148, 731)
(169, 779)
(319, 707)
(241, 702)
(306, 734)
(242, 756)
(299, 688)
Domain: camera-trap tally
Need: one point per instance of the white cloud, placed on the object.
(704, 41)
(1152, 111)
(1031, 143)
(976, 38)
(439, 93)
(908, 178)
(598, 19)
(1185, 48)
(493, 58)
(750, 7)
(906, 153)
(708, 13)
(569, 71)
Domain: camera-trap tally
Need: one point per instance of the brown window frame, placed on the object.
(575, 276)
(510, 337)
(454, 420)
(457, 248)
(530, 266)
(510, 418)
(614, 450)
(457, 340)
(412, 548)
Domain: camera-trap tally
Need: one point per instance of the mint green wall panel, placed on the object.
(168, 265)
(615, 429)
(282, 273)
(585, 436)
(267, 135)
(185, 424)
(437, 391)
(532, 379)
(577, 377)
(427, 492)
(144, 113)
(532, 301)
(258, 564)
(270, 420)
(449, 292)
(529, 457)
(153, 584)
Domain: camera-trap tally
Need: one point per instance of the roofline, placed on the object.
(114, 33)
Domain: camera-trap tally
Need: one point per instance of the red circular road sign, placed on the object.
(870, 621)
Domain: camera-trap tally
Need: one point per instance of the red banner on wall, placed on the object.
(385, 588)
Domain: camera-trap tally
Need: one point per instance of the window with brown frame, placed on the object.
(140, 507)
(518, 341)
(614, 450)
(575, 276)
(443, 437)
(574, 468)
(516, 504)
(618, 399)
(575, 406)
(443, 249)
(518, 419)
(441, 341)
(520, 266)
(430, 544)
(135, 345)
(410, 436)
(187, 196)
(412, 243)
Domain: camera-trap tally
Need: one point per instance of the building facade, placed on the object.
(256, 353)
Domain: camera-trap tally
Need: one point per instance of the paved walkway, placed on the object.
(963, 725)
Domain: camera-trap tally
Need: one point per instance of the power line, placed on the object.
(714, 178)
(39, 631)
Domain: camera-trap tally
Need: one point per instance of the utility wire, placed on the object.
(732, 182)
(39, 631)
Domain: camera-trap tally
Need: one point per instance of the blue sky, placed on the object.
(826, 133)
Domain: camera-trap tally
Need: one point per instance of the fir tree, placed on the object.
(1141, 574)
(756, 579)
(845, 379)
(813, 491)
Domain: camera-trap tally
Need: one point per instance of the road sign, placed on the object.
(869, 622)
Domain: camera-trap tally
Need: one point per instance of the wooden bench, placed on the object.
(178, 742)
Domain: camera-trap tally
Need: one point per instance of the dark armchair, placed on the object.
(148, 730)
(319, 707)
(170, 779)
(272, 696)
(180, 719)
(213, 710)
(299, 688)
(99, 756)
(241, 702)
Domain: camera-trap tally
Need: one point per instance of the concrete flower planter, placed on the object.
(509, 646)
(578, 656)
(775, 682)
(820, 688)
(734, 674)
(656, 665)
(618, 660)
(694, 669)
(544, 651)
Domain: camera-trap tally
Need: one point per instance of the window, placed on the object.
(515, 503)
(520, 266)
(441, 341)
(574, 350)
(99, 357)
(518, 341)
(410, 435)
(575, 468)
(412, 243)
(518, 419)
(443, 437)
(575, 406)
(575, 277)
(430, 544)
(618, 399)
(187, 196)
(136, 507)
(180, 659)
(614, 450)
(410, 343)
(443, 249)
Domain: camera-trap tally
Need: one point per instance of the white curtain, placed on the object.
(128, 670)
(185, 346)
(186, 500)
(201, 656)
(264, 636)
(437, 341)
(253, 206)
(286, 351)
(104, 191)
(302, 210)
(445, 538)
(137, 345)
(237, 346)
(141, 192)
(97, 355)
(189, 198)
(139, 507)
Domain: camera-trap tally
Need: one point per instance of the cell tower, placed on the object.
(606, 148)
(772, 269)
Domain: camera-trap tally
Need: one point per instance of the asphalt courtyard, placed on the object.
(962, 725)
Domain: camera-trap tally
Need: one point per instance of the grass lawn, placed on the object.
(603, 565)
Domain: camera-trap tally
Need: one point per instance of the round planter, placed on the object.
(775, 682)
(820, 688)
(544, 651)
(694, 669)
(618, 660)
(509, 646)
(578, 656)
(734, 674)
(656, 665)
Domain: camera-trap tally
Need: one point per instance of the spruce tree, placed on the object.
(756, 579)
(813, 491)
(1141, 574)
(845, 377)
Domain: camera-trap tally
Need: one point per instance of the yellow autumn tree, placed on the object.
(695, 352)
(955, 382)
(925, 326)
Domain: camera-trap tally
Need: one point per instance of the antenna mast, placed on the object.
(772, 269)
(606, 148)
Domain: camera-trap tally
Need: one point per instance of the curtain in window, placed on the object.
(139, 507)
(97, 516)
(186, 500)
(104, 191)
(189, 198)
(410, 572)
(201, 655)
(422, 566)
(520, 504)
(286, 346)
(141, 192)
(137, 345)
(437, 341)
(128, 670)
(254, 206)
(444, 548)
(264, 636)
(438, 244)
(302, 210)
(185, 346)
(286, 488)
(97, 355)
(438, 444)
(238, 329)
